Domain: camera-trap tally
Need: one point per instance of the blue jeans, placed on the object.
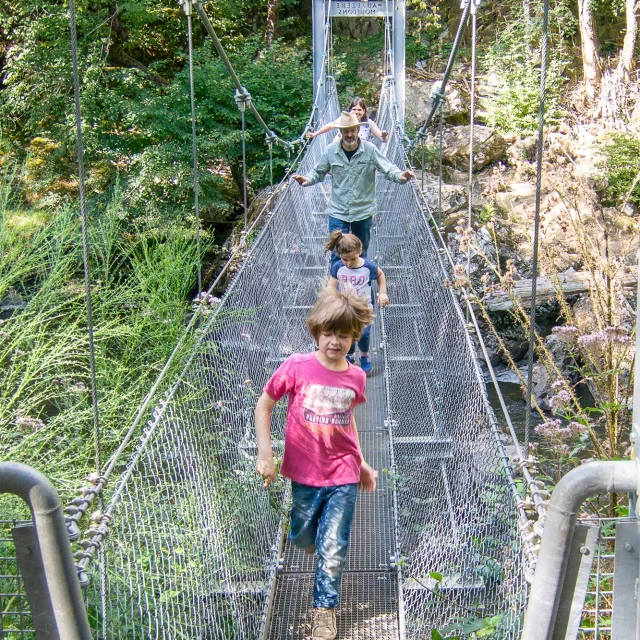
(322, 516)
(361, 229)
(363, 341)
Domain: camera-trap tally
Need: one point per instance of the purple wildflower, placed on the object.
(549, 428)
(560, 400)
(577, 428)
(566, 333)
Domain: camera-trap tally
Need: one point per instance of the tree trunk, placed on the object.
(589, 42)
(626, 56)
(273, 10)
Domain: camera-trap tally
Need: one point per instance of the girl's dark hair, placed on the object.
(343, 243)
(359, 102)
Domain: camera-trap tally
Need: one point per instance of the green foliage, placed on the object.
(141, 281)
(136, 108)
(514, 61)
(621, 169)
(487, 213)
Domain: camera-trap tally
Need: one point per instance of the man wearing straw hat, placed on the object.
(353, 163)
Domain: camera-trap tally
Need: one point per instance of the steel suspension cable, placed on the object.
(471, 128)
(194, 146)
(241, 102)
(85, 241)
(536, 224)
(227, 63)
(438, 96)
(440, 181)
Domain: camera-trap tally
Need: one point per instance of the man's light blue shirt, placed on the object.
(353, 196)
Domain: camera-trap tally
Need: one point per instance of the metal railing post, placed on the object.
(574, 488)
(44, 557)
(635, 431)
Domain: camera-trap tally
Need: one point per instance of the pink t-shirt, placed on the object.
(320, 444)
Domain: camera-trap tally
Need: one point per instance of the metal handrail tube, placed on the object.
(572, 490)
(53, 539)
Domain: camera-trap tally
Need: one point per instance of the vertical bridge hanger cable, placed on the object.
(186, 7)
(536, 223)
(85, 241)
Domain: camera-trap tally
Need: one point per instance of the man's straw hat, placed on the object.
(346, 120)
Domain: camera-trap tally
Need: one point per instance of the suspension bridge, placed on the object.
(187, 544)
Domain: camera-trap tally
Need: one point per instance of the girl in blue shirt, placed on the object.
(353, 272)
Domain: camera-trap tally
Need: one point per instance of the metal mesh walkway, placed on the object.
(369, 597)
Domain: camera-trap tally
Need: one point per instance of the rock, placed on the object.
(418, 94)
(541, 385)
(584, 315)
(488, 146)
(509, 376)
(559, 353)
(454, 198)
(515, 341)
(454, 176)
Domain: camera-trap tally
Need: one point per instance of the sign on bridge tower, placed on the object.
(323, 9)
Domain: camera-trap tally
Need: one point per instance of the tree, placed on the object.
(591, 63)
(606, 83)
(626, 57)
(273, 11)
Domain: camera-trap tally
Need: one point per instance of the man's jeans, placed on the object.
(322, 516)
(361, 229)
(363, 342)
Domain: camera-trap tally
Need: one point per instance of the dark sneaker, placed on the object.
(365, 364)
(324, 624)
(350, 359)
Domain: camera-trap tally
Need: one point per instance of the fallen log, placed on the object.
(573, 283)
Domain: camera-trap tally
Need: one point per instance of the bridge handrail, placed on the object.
(573, 489)
(44, 556)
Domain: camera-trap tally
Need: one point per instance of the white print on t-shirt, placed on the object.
(327, 405)
(349, 281)
(365, 131)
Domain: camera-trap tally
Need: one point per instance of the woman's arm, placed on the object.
(265, 466)
(375, 130)
(321, 130)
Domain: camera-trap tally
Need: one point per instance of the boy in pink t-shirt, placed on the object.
(322, 455)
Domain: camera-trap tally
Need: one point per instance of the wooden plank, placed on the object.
(573, 283)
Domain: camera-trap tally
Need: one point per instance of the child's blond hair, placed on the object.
(345, 313)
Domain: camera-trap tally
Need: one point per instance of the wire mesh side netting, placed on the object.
(15, 616)
(460, 548)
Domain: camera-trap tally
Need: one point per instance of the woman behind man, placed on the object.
(368, 127)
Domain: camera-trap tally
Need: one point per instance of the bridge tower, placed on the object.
(323, 9)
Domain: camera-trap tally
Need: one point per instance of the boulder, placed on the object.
(418, 94)
(488, 146)
(540, 388)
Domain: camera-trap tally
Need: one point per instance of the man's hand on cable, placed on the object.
(405, 177)
(303, 182)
